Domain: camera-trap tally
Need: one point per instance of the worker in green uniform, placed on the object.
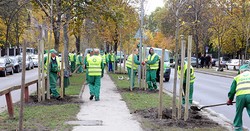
(54, 72)
(135, 65)
(90, 53)
(79, 63)
(111, 60)
(152, 64)
(95, 72)
(72, 57)
(192, 78)
(241, 88)
(107, 60)
(104, 59)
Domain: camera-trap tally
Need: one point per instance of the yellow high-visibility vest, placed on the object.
(153, 66)
(243, 83)
(192, 76)
(104, 59)
(94, 68)
(129, 62)
(77, 59)
(71, 57)
(112, 57)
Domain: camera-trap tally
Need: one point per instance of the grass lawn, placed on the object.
(143, 100)
(48, 115)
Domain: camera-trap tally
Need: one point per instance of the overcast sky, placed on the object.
(151, 5)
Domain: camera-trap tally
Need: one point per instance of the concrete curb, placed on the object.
(215, 74)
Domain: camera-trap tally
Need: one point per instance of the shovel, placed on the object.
(195, 108)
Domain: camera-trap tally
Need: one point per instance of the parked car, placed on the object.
(119, 56)
(235, 64)
(193, 61)
(6, 66)
(35, 60)
(17, 61)
(29, 63)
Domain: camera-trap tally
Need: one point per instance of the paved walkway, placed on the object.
(108, 114)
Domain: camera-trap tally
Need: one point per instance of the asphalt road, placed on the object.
(209, 89)
(12, 80)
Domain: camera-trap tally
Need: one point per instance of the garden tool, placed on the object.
(195, 108)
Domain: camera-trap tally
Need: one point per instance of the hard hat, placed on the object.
(53, 51)
(244, 67)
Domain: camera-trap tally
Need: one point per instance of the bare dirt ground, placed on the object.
(195, 119)
(65, 100)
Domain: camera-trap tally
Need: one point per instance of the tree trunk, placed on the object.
(56, 37)
(116, 40)
(66, 42)
(196, 41)
(57, 24)
(7, 38)
(78, 41)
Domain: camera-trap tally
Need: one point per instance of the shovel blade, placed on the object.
(195, 108)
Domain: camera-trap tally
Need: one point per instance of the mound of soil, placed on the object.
(65, 100)
(195, 119)
(138, 90)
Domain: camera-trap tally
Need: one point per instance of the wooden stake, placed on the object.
(145, 67)
(62, 75)
(183, 48)
(124, 63)
(10, 106)
(39, 92)
(50, 42)
(43, 74)
(132, 73)
(161, 84)
(188, 78)
(22, 88)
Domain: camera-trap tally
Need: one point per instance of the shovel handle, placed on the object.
(215, 105)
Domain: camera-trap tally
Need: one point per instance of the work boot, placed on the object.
(59, 98)
(97, 99)
(91, 97)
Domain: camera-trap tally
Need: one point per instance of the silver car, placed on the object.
(6, 66)
(193, 61)
(29, 63)
(17, 61)
(35, 60)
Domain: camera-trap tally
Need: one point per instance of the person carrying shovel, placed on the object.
(241, 88)
(192, 78)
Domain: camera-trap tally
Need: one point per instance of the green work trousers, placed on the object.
(53, 82)
(94, 86)
(131, 78)
(151, 79)
(80, 69)
(191, 91)
(73, 66)
(242, 101)
(87, 76)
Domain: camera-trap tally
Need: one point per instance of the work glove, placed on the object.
(229, 102)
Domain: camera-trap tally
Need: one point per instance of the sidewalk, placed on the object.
(108, 114)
